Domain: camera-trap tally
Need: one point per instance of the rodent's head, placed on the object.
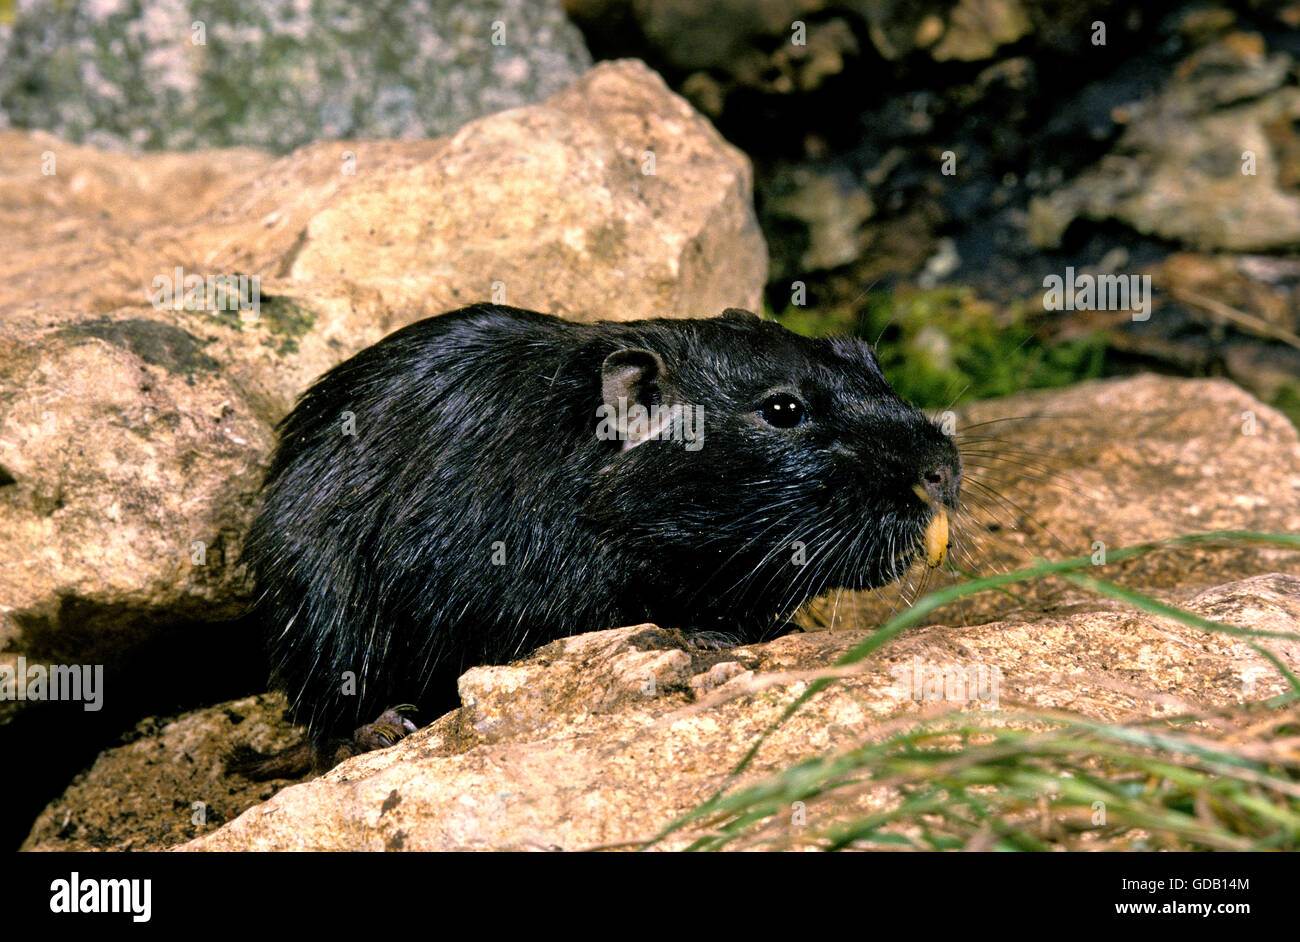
(807, 472)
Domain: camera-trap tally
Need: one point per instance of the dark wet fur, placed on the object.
(373, 552)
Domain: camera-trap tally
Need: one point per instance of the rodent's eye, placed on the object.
(782, 410)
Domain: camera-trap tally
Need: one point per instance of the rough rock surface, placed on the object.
(185, 791)
(578, 746)
(601, 739)
(276, 75)
(1210, 161)
(130, 462)
(611, 199)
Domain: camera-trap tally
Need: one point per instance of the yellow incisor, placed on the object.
(934, 539)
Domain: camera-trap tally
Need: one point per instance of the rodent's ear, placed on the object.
(739, 314)
(631, 375)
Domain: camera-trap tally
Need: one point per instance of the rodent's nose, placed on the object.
(941, 482)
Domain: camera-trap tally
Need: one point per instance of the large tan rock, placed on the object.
(602, 739)
(132, 463)
(85, 231)
(612, 199)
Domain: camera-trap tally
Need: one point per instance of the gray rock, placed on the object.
(831, 206)
(276, 74)
(1208, 161)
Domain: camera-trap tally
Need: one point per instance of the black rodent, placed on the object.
(443, 499)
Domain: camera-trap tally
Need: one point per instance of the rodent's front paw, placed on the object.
(711, 640)
(391, 726)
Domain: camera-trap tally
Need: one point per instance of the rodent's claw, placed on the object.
(377, 736)
(388, 734)
(711, 640)
(391, 727)
(400, 712)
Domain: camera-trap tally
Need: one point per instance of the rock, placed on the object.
(134, 431)
(782, 46)
(1237, 314)
(615, 178)
(132, 463)
(110, 219)
(977, 28)
(277, 75)
(702, 34)
(168, 778)
(545, 756)
(732, 35)
(1208, 161)
(602, 738)
(831, 207)
(1162, 456)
